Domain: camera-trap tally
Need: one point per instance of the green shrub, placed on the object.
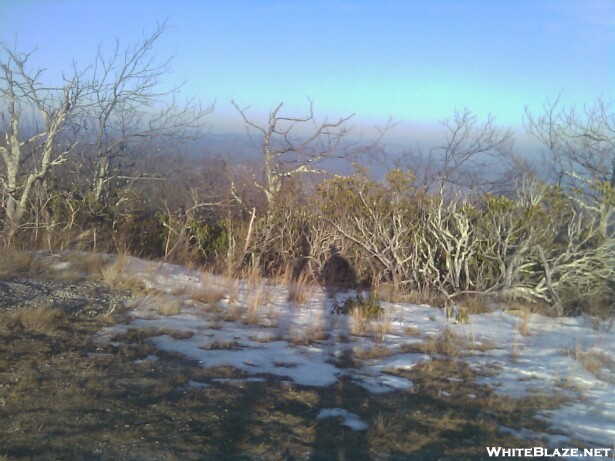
(369, 306)
(211, 239)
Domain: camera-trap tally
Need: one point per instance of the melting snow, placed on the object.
(306, 344)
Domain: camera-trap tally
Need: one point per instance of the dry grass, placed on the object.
(446, 343)
(231, 289)
(233, 313)
(266, 338)
(412, 331)
(387, 292)
(300, 289)
(380, 328)
(299, 293)
(375, 352)
(596, 362)
(419, 296)
(384, 428)
(359, 322)
(220, 344)
(168, 306)
(475, 304)
(39, 319)
(253, 276)
(15, 263)
(178, 334)
(112, 272)
(522, 325)
(308, 335)
(260, 297)
(141, 335)
(207, 295)
(83, 265)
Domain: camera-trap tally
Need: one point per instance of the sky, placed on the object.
(414, 61)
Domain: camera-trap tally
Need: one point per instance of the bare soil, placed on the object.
(65, 396)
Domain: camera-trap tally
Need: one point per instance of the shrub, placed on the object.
(369, 306)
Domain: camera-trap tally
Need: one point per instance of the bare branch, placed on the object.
(287, 151)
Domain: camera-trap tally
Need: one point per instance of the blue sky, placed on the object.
(413, 60)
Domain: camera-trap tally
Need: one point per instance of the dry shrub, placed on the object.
(598, 303)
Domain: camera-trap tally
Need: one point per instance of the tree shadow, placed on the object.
(337, 274)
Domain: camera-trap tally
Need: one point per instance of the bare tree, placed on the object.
(580, 153)
(125, 106)
(288, 152)
(33, 118)
(471, 156)
(579, 143)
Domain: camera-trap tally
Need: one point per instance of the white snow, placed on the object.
(348, 419)
(306, 343)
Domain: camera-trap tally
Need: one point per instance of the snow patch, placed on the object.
(348, 419)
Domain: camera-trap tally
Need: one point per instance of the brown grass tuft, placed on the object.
(375, 352)
(39, 319)
(169, 307)
(220, 344)
(360, 322)
(298, 293)
(14, 263)
(207, 295)
(112, 272)
(258, 299)
(596, 362)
